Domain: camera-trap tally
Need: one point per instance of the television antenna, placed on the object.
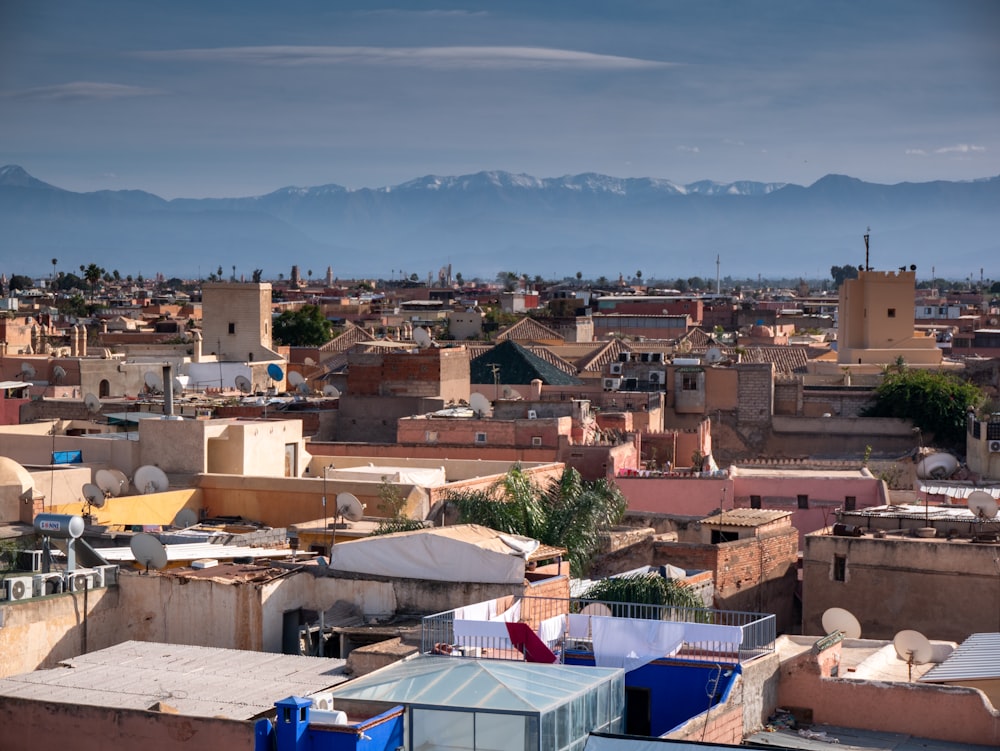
(92, 403)
(243, 384)
(422, 337)
(838, 619)
(914, 648)
(331, 391)
(27, 371)
(112, 481)
(185, 518)
(480, 404)
(153, 381)
(150, 479)
(148, 551)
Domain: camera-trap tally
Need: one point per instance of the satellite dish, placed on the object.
(309, 361)
(595, 608)
(58, 373)
(480, 404)
(275, 373)
(27, 371)
(510, 393)
(331, 391)
(303, 388)
(94, 495)
(243, 384)
(150, 479)
(185, 518)
(422, 338)
(982, 505)
(153, 381)
(92, 403)
(349, 507)
(838, 619)
(295, 378)
(936, 466)
(913, 647)
(111, 481)
(714, 355)
(148, 551)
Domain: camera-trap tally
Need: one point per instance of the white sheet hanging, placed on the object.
(631, 643)
(551, 629)
(487, 634)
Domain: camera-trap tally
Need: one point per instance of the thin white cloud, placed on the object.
(427, 57)
(689, 149)
(916, 152)
(81, 91)
(960, 148)
(733, 142)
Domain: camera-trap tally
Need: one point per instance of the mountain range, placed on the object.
(498, 221)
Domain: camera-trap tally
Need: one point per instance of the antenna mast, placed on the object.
(867, 235)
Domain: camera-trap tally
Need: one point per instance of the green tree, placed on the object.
(19, 281)
(567, 512)
(72, 306)
(305, 327)
(842, 273)
(393, 507)
(935, 402)
(643, 589)
(93, 274)
(995, 288)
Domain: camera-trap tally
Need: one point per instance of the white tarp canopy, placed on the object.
(424, 477)
(459, 553)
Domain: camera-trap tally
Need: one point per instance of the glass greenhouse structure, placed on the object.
(487, 705)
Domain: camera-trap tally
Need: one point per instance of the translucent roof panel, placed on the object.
(476, 684)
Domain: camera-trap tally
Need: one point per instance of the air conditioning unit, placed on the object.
(612, 384)
(108, 575)
(617, 368)
(78, 580)
(995, 447)
(536, 441)
(47, 584)
(658, 377)
(18, 587)
(31, 560)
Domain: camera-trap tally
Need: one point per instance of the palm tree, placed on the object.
(93, 274)
(567, 512)
(54, 262)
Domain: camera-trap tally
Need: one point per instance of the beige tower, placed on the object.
(236, 321)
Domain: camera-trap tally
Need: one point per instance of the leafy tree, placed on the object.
(305, 327)
(638, 275)
(935, 402)
(842, 273)
(66, 282)
(393, 506)
(644, 589)
(458, 279)
(567, 512)
(257, 274)
(20, 281)
(995, 288)
(696, 282)
(414, 277)
(72, 306)
(93, 274)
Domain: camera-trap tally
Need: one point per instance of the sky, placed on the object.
(200, 98)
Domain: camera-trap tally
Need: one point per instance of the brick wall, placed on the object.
(431, 373)
(756, 393)
(719, 725)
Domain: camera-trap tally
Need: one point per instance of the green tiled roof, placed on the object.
(517, 366)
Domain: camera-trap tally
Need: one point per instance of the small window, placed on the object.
(536, 440)
(480, 437)
(850, 503)
(689, 382)
(232, 327)
(431, 436)
(755, 501)
(721, 535)
(840, 568)
(891, 312)
(803, 501)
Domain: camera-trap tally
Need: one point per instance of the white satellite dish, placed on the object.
(509, 393)
(303, 388)
(595, 608)
(913, 647)
(480, 404)
(838, 619)
(330, 390)
(295, 378)
(714, 355)
(937, 466)
(309, 361)
(94, 495)
(148, 551)
(153, 381)
(243, 384)
(178, 387)
(185, 518)
(422, 337)
(92, 403)
(58, 373)
(27, 371)
(349, 507)
(150, 479)
(982, 505)
(111, 481)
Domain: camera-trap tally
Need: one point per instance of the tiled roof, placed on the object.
(528, 330)
(517, 365)
(786, 358)
(352, 335)
(699, 339)
(597, 360)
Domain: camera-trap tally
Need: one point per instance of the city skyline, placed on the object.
(184, 99)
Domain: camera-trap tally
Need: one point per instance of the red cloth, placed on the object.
(527, 641)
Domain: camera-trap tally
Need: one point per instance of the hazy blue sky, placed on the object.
(241, 97)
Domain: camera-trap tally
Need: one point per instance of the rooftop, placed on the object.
(745, 517)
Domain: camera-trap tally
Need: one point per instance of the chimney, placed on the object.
(168, 392)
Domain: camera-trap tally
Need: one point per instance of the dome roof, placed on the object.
(12, 473)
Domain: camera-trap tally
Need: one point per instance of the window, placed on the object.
(689, 382)
(850, 503)
(891, 312)
(755, 501)
(536, 440)
(721, 535)
(803, 501)
(480, 437)
(840, 568)
(431, 436)
(232, 327)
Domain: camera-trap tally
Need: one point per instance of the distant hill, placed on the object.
(498, 221)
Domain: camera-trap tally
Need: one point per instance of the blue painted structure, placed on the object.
(293, 731)
(678, 690)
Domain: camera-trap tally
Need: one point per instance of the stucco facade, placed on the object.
(237, 321)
